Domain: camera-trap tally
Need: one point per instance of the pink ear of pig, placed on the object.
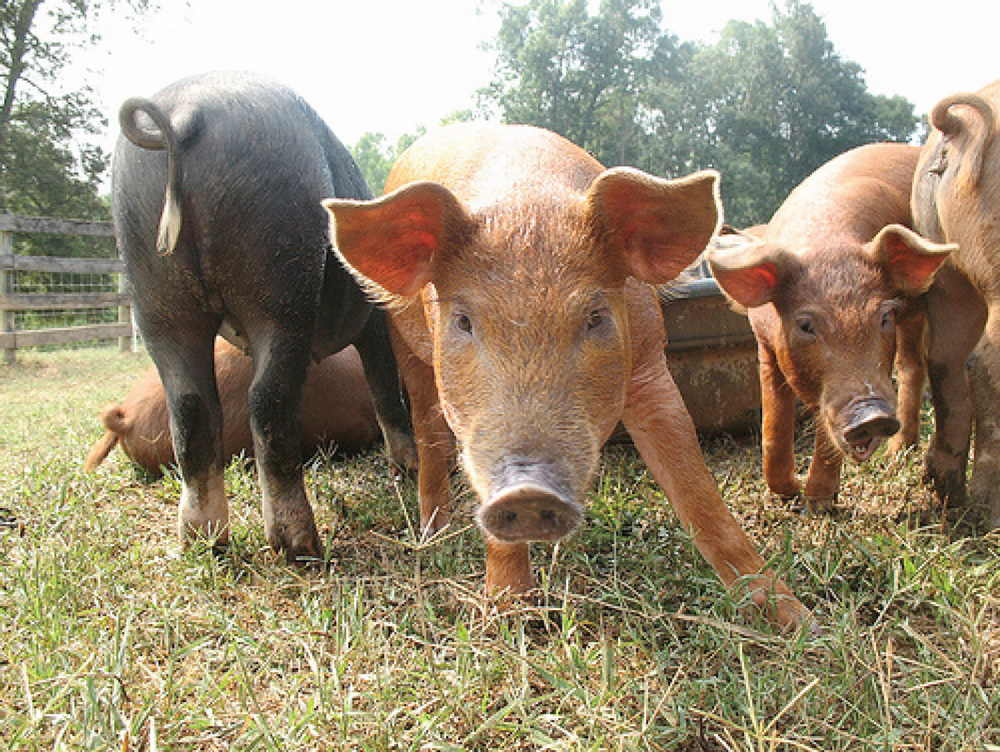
(394, 240)
(911, 260)
(659, 226)
(751, 274)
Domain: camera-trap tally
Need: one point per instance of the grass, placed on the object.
(111, 638)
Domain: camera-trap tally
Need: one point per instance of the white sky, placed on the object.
(393, 65)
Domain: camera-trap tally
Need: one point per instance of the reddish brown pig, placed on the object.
(956, 199)
(829, 288)
(141, 424)
(526, 325)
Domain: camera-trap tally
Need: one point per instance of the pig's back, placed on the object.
(485, 163)
(854, 195)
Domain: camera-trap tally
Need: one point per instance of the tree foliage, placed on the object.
(46, 167)
(375, 156)
(766, 104)
(584, 76)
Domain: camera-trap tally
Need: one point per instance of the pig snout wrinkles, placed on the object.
(528, 502)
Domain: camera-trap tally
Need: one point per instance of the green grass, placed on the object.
(111, 638)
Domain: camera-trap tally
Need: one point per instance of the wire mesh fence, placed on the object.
(57, 301)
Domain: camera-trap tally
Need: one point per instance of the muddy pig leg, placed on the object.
(778, 426)
(184, 360)
(280, 360)
(911, 375)
(956, 315)
(984, 377)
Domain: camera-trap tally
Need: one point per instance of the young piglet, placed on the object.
(526, 326)
(337, 411)
(831, 290)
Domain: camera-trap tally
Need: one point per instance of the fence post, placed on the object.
(7, 288)
(125, 344)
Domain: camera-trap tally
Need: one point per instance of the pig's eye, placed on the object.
(463, 323)
(805, 326)
(596, 319)
(888, 321)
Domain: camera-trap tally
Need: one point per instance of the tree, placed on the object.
(583, 76)
(766, 105)
(375, 156)
(43, 169)
(777, 102)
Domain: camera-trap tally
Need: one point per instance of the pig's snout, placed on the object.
(529, 512)
(869, 422)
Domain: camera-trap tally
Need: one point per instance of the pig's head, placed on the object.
(832, 322)
(526, 305)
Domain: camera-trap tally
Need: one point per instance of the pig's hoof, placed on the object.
(303, 548)
(514, 597)
(949, 485)
(786, 490)
(782, 610)
(212, 534)
(900, 444)
(402, 451)
(820, 504)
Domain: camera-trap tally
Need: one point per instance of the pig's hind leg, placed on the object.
(280, 361)
(382, 375)
(185, 361)
(956, 316)
(984, 378)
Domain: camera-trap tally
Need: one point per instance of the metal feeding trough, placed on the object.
(712, 355)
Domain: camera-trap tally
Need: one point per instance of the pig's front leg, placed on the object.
(664, 434)
(435, 441)
(778, 426)
(824, 473)
(911, 374)
(508, 568)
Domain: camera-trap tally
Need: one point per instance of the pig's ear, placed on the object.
(752, 272)
(909, 259)
(659, 226)
(395, 240)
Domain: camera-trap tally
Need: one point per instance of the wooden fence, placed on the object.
(12, 301)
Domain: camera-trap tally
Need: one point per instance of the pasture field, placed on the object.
(111, 638)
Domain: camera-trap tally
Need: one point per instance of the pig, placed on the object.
(345, 424)
(216, 189)
(956, 199)
(519, 276)
(831, 287)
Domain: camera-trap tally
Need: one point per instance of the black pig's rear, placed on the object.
(217, 184)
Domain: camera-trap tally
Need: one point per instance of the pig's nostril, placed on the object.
(874, 426)
(528, 512)
(869, 419)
